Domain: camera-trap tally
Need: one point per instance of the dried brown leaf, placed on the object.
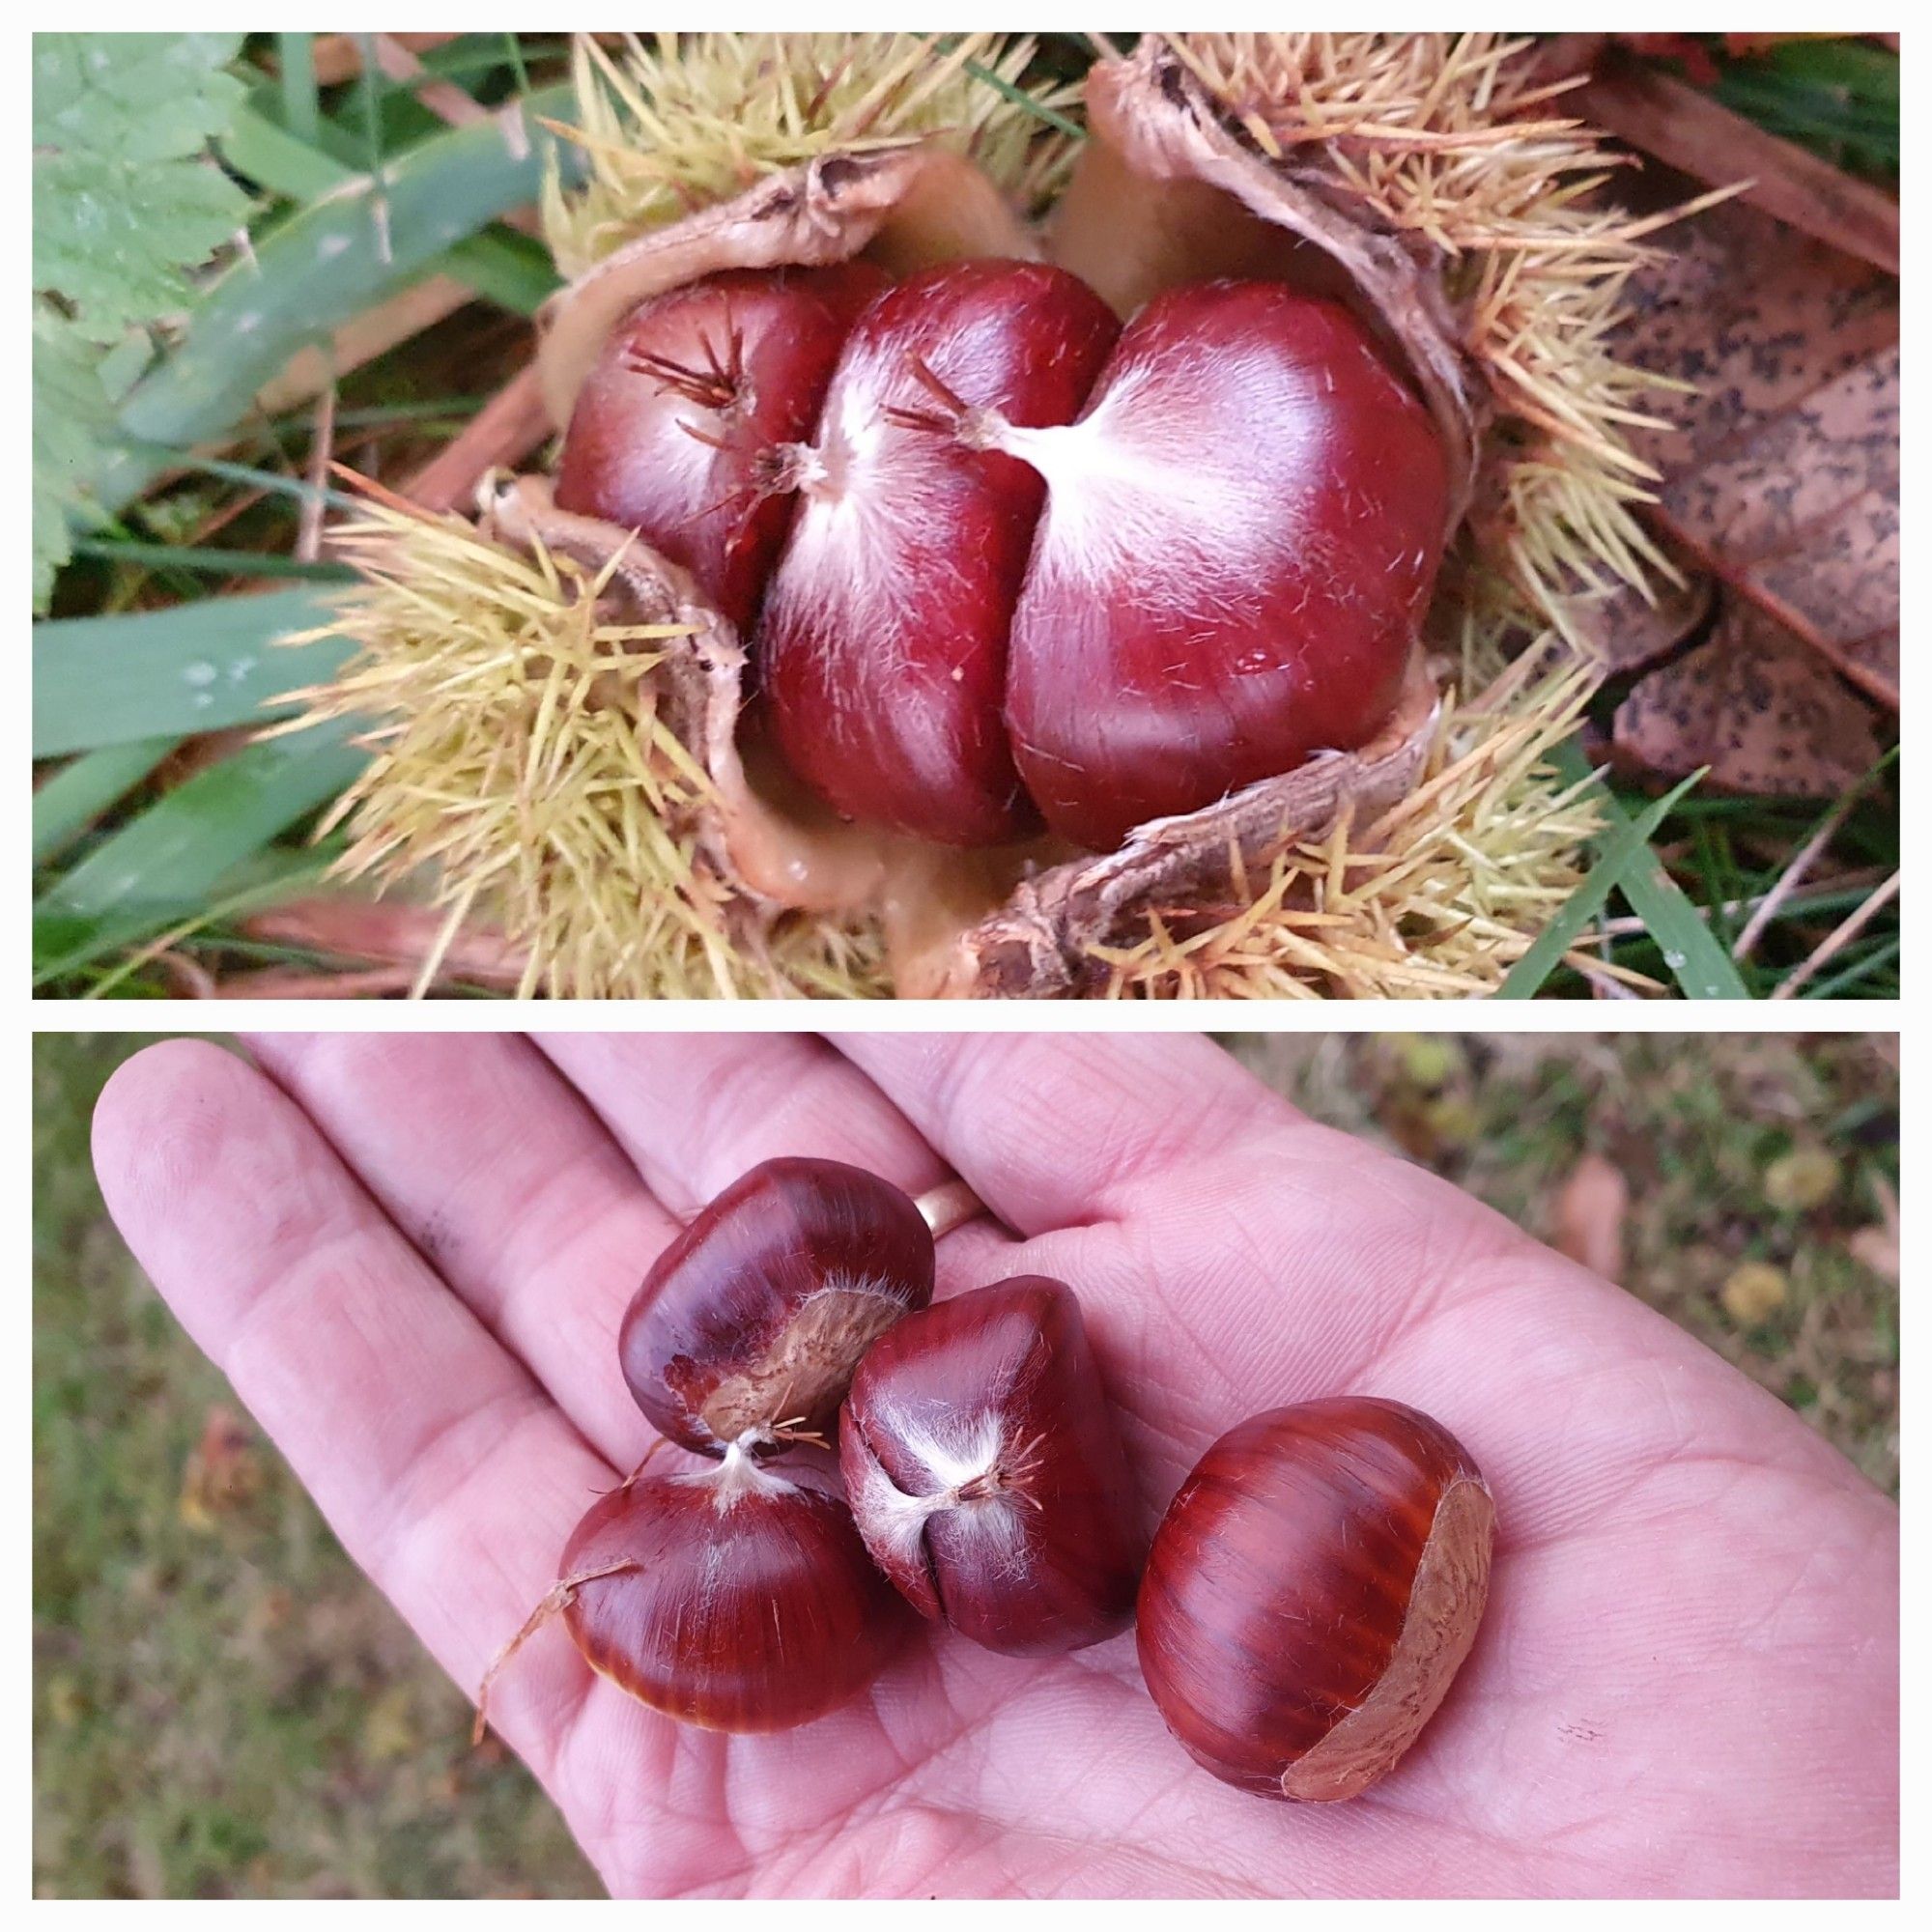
(1590, 1210)
(1781, 466)
(1768, 716)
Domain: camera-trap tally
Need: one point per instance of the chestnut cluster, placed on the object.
(1307, 1598)
(1002, 561)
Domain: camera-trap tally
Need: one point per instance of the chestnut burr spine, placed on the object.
(1312, 1590)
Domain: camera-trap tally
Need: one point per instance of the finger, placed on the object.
(1056, 1130)
(446, 1471)
(696, 1110)
(509, 1184)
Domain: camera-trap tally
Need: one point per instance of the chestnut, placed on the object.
(1312, 1590)
(882, 644)
(986, 1474)
(690, 395)
(726, 1597)
(1240, 536)
(748, 1327)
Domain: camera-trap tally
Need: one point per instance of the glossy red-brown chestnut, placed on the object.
(729, 1597)
(1313, 1587)
(986, 1474)
(1241, 536)
(690, 392)
(882, 644)
(754, 1318)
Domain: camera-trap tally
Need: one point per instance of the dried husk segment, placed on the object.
(1164, 149)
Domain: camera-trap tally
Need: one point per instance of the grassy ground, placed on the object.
(223, 1706)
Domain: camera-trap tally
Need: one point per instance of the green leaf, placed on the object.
(123, 200)
(79, 792)
(1621, 851)
(137, 98)
(166, 865)
(329, 262)
(1702, 968)
(71, 413)
(189, 668)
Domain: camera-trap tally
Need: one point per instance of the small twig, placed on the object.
(1630, 927)
(558, 1597)
(504, 431)
(308, 530)
(1793, 873)
(1839, 939)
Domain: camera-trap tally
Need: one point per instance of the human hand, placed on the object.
(409, 1254)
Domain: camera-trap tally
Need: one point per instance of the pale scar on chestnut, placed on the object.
(808, 1363)
(1445, 1609)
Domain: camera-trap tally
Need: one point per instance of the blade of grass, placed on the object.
(510, 270)
(214, 562)
(302, 99)
(81, 790)
(1701, 966)
(165, 864)
(271, 480)
(1623, 850)
(329, 262)
(1038, 109)
(189, 668)
(1834, 984)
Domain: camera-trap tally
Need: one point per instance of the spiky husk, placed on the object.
(1436, 898)
(693, 119)
(524, 777)
(1447, 139)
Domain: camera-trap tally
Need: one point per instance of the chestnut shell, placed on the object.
(753, 1606)
(758, 1312)
(642, 456)
(1312, 1590)
(1000, 1378)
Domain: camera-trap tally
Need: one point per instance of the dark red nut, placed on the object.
(1311, 1593)
(986, 1473)
(691, 393)
(729, 1598)
(883, 645)
(753, 1319)
(1240, 536)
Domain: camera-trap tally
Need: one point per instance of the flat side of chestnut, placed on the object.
(1452, 1585)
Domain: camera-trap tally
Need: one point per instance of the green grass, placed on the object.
(223, 1706)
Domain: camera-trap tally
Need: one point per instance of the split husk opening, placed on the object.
(1406, 174)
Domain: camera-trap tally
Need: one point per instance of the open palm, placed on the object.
(410, 1254)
